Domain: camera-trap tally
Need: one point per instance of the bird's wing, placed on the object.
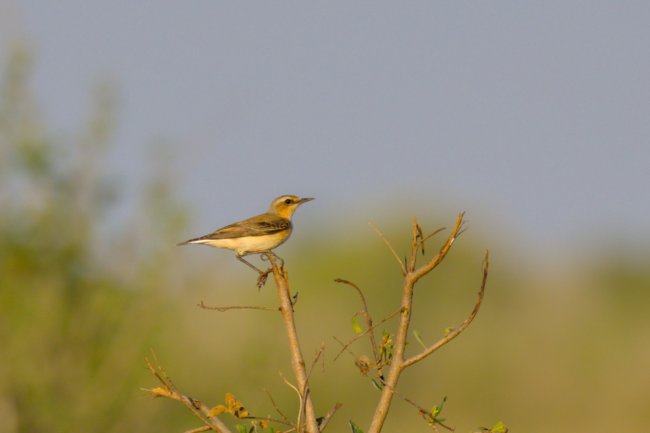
(259, 225)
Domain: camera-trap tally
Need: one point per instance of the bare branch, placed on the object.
(328, 416)
(397, 364)
(199, 429)
(457, 331)
(390, 247)
(319, 354)
(395, 368)
(435, 260)
(234, 307)
(297, 359)
(345, 347)
(298, 425)
(304, 395)
(424, 413)
(366, 315)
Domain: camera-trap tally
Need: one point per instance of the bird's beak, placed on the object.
(305, 200)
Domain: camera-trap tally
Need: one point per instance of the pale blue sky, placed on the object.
(535, 111)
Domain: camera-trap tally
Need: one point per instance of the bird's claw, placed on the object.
(261, 280)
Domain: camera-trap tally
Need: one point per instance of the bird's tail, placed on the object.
(193, 240)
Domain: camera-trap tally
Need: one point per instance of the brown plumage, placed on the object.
(257, 234)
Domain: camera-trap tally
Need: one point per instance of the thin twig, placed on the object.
(455, 332)
(266, 418)
(326, 419)
(435, 260)
(345, 347)
(319, 353)
(234, 307)
(199, 429)
(423, 412)
(366, 315)
(277, 409)
(305, 389)
(401, 336)
(170, 391)
(429, 236)
(390, 247)
(298, 425)
(349, 343)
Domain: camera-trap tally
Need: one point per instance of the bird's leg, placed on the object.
(267, 255)
(281, 260)
(263, 274)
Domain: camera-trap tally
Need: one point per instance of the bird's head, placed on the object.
(285, 205)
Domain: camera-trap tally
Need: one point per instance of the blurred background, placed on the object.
(128, 128)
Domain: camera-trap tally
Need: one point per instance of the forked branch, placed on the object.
(398, 361)
(456, 331)
(306, 419)
(435, 260)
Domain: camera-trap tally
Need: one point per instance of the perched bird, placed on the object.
(258, 234)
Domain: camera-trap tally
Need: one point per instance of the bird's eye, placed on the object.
(287, 201)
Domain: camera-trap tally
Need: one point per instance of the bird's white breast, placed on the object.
(247, 244)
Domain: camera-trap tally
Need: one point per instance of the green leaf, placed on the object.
(357, 328)
(499, 428)
(416, 334)
(437, 410)
(355, 428)
(241, 428)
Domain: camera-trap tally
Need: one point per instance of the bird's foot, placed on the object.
(261, 280)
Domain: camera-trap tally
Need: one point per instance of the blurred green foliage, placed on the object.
(73, 330)
(83, 300)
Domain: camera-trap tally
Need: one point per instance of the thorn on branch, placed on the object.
(416, 235)
(429, 236)
(438, 258)
(294, 299)
(420, 236)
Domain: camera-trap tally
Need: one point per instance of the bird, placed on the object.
(259, 234)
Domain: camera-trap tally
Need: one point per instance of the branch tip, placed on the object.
(390, 247)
